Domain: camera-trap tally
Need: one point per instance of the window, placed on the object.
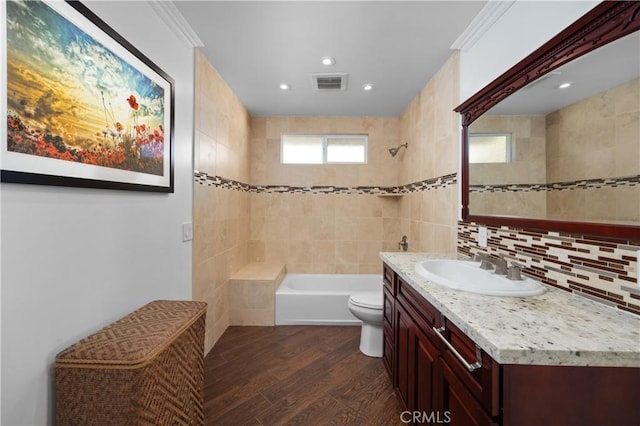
(323, 149)
(490, 148)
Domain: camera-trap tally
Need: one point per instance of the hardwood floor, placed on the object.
(296, 375)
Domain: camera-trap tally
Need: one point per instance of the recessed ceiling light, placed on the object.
(284, 86)
(328, 61)
(368, 87)
(564, 85)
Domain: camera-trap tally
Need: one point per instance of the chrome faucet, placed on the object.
(514, 272)
(403, 244)
(486, 262)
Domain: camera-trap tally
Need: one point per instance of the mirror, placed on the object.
(540, 155)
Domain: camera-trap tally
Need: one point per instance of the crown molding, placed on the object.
(171, 16)
(488, 16)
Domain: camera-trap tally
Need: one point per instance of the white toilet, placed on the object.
(367, 307)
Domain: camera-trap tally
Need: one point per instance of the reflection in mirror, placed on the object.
(566, 153)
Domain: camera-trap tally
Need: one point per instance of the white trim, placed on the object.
(170, 15)
(484, 20)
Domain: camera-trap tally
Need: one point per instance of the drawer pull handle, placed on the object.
(470, 367)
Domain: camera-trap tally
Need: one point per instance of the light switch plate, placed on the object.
(187, 232)
(482, 236)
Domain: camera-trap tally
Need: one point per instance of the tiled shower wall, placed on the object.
(428, 215)
(330, 219)
(596, 268)
(220, 214)
(323, 218)
(527, 167)
(598, 138)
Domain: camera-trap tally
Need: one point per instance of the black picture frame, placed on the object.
(84, 107)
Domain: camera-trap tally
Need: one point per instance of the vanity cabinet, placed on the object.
(441, 375)
(417, 360)
(428, 378)
(389, 297)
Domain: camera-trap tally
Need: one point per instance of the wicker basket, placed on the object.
(144, 369)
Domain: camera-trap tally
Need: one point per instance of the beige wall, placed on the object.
(431, 127)
(596, 138)
(323, 233)
(528, 166)
(220, 216)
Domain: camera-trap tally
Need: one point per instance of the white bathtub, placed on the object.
(320, 299)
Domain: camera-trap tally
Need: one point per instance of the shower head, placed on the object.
(394, 151)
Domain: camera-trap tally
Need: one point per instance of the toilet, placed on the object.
(367, 307)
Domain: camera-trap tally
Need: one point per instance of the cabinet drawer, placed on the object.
(388, 279)
(462, 407)
(413, 299)
(482, 382)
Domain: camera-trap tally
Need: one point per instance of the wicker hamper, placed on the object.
(144, 369)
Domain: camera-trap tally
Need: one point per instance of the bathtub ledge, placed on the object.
(252, 293)
(260, 272)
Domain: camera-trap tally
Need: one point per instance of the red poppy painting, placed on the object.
(84, 107)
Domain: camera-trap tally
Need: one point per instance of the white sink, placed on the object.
(467, 276)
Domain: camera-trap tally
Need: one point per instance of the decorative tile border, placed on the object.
(560, 186)
(599, 269)
(424, 185)
(220, 182)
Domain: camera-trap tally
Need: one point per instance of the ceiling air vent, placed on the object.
(329, 82)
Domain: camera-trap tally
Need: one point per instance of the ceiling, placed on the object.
(599, 70)
(395, 45)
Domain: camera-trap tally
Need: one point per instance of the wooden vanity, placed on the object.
(441, 374)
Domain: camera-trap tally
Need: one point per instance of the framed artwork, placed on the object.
(83, 106)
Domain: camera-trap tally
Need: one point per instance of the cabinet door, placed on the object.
(425, 383)
(417, 363)
(458, 404)
(404, 325)
(388, 356)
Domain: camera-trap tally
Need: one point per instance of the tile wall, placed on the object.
(323, 218)
(527, 167)
(597, 138)
(220, 213)
(597, 268)
(432, 129)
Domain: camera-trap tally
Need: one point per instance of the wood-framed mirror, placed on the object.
(528, 179)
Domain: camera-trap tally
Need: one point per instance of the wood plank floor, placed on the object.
(296, 375)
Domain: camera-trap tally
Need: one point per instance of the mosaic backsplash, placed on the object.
(600, 269)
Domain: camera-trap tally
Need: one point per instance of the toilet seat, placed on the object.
(367, 299)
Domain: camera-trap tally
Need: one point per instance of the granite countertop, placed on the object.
(555, 328)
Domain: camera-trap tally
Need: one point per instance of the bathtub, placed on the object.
(320, 299)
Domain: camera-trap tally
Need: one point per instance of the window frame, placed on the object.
(510, 154)
(325, 143)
